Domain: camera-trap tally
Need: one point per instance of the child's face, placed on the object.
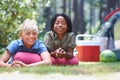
(60, 25)
(29, 37)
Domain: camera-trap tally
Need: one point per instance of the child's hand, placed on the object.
(53, 54)
(18, 64)
(61, 53)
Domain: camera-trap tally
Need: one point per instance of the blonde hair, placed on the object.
(29, 25)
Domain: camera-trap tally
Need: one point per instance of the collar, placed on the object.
(56, 38)
(35, 45)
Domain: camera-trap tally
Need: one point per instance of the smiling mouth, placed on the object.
(60, 30)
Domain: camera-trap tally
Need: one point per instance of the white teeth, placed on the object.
(60, 29)
(30, 40)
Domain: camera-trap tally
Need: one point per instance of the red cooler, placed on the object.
(87, 50)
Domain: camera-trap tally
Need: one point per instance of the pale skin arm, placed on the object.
(46, 60)
(4, 58)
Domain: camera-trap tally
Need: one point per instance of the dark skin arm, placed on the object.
(60, 53)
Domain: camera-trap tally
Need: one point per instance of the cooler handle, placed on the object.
(85, 35)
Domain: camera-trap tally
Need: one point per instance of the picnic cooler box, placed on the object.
(87, 50)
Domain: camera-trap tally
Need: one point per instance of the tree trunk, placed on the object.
(64, 6)
(81, 19)
(69, 7)
(75, 21)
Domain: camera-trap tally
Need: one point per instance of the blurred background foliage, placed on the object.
(87, 15)
(12, 13)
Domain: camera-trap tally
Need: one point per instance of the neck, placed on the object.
(60, 36)
(27, 46)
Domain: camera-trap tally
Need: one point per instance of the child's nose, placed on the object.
(31, 35)
(60, 24)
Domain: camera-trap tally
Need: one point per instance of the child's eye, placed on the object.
(56, 23)
(64, 23)
(34, 33)
(28, 33)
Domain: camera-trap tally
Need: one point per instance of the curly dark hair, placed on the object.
(68, 21)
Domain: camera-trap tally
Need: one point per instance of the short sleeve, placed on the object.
(42, 47)
(13, 47)
(49, 41)
(71, 42)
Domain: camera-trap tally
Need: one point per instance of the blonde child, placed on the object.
(28, 50)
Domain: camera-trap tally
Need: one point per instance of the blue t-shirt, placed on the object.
(18, 46)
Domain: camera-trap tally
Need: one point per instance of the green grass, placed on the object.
(92, 68)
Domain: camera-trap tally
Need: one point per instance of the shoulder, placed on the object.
(49, 33)
(71, 34)
(40, 46)
(13, 46)
(15, 42)
(38, 42)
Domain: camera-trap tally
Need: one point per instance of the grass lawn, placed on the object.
(90, 68)
(84, 71)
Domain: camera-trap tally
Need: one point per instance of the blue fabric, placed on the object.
(18, 46)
